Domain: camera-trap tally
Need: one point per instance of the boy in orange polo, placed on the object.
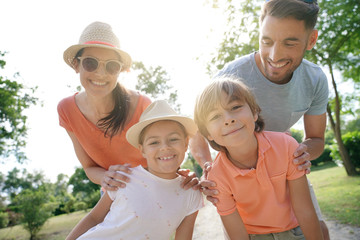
(262, 195)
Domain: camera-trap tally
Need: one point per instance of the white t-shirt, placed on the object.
(148, 207)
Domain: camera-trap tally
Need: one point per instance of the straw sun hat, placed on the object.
(157, 111)
(100, 35)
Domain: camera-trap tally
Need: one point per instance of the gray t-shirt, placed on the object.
(283, 105)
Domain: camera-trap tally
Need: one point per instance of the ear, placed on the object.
(76, 65)
(142, 150)
(313, 36)
(256, 116)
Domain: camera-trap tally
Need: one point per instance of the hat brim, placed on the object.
(70, 53)
(132, 135)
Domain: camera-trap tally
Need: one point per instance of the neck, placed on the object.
(244, 157)
(101, 107)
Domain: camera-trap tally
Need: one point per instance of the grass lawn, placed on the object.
(338, 195)
(56, 228)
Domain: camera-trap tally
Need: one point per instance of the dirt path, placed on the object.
(208, 227)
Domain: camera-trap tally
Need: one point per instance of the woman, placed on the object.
(97, 118)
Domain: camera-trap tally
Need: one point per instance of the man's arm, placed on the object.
(313, 145)
(314, 126)
(199, 149)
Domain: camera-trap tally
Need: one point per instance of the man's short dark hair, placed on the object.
(298, 9)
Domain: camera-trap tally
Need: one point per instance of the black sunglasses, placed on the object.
(91, 64)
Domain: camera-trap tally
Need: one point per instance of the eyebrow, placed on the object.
(286, 39)
(157, 137)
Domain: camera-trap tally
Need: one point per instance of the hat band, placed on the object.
(99, 42)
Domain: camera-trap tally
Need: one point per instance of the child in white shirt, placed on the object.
(153, 205)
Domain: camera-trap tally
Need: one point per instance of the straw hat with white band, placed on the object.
(100, 35)
(157, 111)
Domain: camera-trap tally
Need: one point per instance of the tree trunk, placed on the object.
(335, 125)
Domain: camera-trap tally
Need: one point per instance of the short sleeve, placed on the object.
(226, 204)
(321, 97)
(112, 194)
(196, 202)
(62, 109)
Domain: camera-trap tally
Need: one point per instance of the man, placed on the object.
(286, 86)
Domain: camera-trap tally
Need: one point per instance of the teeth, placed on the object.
(99, 83)
(278, 65)
(166, 158)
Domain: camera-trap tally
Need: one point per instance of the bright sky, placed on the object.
(172, 34)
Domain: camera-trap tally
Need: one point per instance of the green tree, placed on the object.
(81, 183)
(297, 134)
(337, 48)
(35, 210)
(17, 180)
(155, 82)
(14, 99)
(83, 189)
(352, 125)
(241, 36)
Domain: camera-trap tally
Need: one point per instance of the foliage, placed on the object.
(352, 144)
(339, 37)
(83, 188)
(155, 82)
(337, 48)
(191, 163)
(352, 125)
(14, 99)
(4, 219)
(15, 182)
(80, 206)
(241, 36)
(297, 134)
(81, 183)
(324, 157)
(34, 208)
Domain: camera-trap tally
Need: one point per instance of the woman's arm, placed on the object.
(304, 209)
(109, 179)
(96, 216)
(234, 226)
(186, 227)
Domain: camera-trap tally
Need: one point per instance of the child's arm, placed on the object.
(186, 227)
(304, 209)
(96, 216)
(234, 226)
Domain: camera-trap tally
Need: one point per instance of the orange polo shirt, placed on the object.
(102, 150)
(260, 195)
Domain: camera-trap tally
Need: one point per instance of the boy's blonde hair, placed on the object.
(211, 97)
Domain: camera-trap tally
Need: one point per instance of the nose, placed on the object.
(229, 119)
(101, 69)
(230, 122)
(275, 52)
(164, 145)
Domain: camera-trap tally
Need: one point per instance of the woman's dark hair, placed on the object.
(115, 121)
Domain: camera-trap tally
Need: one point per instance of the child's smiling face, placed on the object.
(231, 122)
(164, 147)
